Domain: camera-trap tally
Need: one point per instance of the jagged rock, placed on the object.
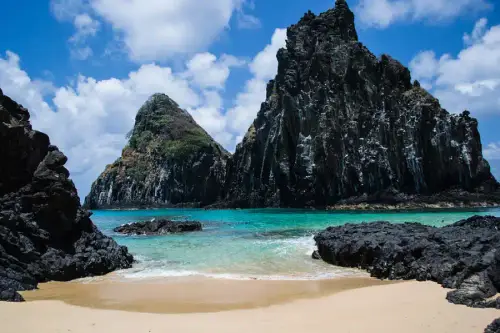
(158, 227)
(494, 327)
(44, 233)
(340, 128)
(169, 160)
(315, 255)
(462, 256)
(340, 125)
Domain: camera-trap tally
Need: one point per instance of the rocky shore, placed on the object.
(158, 227)
(44, 232)
(463, 256)
(392, 200)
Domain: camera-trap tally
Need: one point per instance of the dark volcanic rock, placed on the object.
(462, 256)
(315, 255)
(158, 227)
(340, 124)
(494, 327)
(169, 160)
(44, 232)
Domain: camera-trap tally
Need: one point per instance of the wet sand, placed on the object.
(410, 307)
(191, 295)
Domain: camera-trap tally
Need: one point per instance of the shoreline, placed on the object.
(341, 208)
(409, 306)
(437, 206)
(192, 294)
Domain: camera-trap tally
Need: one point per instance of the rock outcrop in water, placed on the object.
(340, 125)
(44, 233)
(169, 160)
(158, 227)
(464, 256)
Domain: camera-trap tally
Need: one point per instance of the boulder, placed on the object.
(158, 227)
(44, 232)
(463, 256)
(494, 327)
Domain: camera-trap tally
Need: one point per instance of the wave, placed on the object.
(162, 273)
(286, 259)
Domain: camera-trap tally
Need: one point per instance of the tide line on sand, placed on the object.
(342, 306)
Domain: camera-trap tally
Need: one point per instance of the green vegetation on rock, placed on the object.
(164, 130)
(169, 160)
(194, 140)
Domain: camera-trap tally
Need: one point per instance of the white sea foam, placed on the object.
(292, 262)
(164, 273)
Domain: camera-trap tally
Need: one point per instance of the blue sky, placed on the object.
(83, 67)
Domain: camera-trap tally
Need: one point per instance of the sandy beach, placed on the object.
(196, 305)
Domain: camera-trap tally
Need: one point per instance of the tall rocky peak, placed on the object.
(44, 232)
(341, 125)
(169, 160)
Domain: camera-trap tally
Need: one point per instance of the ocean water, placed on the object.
(248, 244)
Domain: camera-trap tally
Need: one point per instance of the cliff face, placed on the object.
(340, 123)
(169, 160)
(44, 232)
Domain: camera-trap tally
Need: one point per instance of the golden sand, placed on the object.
(410, 307)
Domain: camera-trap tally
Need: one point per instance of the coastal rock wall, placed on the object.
(340, 124)
(44, 233)
(169, 161)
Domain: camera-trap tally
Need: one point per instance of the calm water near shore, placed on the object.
(248, 244)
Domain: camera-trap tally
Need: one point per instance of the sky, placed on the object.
(84, 67)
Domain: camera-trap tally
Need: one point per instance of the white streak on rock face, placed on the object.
(306, 157)
(415, 166)
(110, 193)
(465, 151)
(160, 183)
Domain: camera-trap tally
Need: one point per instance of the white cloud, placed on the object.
(85, 27)
(82, 53)
(153, 30)
(424, 66)
(157, 29)
(17, 83)
(89, 119)
(229, 127)
(263, 67)
(492, 151)
(211, 117)
(247, 21)
(469, 80)
(207, 72)
(67, 10)
(382, 13)
(477, 33)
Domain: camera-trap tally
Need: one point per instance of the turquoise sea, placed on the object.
(243, 244)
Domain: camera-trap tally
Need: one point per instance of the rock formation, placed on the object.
(158, 227)
(44, 233)
(462, 256)
(339, 128)
(169, 160)
(341, 125)
(494, 327)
